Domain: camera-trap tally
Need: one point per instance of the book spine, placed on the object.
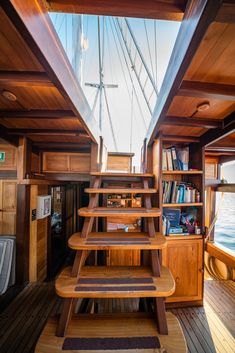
(169, 159)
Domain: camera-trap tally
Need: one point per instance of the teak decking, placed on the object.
(206, 329)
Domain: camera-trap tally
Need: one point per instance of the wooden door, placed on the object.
(184, 258)
(8, 206)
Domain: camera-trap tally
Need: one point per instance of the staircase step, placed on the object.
(121, 191)
(111, 211)
(115, 282)
(113, 174)
(117, 241)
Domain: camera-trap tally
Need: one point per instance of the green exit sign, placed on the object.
(2, 156)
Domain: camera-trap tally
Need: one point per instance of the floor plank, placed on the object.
(207, 329)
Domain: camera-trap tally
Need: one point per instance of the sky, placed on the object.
(128, 110)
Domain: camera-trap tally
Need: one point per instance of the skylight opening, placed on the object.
(120, 64)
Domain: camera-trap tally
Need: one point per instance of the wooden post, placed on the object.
(22, 234)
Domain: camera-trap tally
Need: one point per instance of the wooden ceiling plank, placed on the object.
(207, 90)
(226, 13)
(197, 18)
(185, 121)
(24, 78)
(155, 9)
(32, 21)
(37, 113)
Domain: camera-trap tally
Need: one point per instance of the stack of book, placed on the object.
(179, 192)
(172, 224)
(175, 158)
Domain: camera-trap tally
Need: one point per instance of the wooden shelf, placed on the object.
(115, 282)
(169, 205)
(181, 172)
(116, 211)
(117, 241)
(120, 191)
(110, 174)
(183, 237)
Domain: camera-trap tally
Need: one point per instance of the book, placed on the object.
(169, 159)
(175, 160)
(183, 158)
(172, 215)
(164, 159)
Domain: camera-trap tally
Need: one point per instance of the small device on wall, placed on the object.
(43, 206)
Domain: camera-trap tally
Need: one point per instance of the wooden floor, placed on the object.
(209, 329)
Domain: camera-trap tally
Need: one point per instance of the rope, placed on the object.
(131, 120)
(148, 44)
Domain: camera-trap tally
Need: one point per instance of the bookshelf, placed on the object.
(184, 253)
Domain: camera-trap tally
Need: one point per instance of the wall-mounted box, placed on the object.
(43, 206)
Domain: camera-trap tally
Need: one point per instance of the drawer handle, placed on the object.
(177, 279)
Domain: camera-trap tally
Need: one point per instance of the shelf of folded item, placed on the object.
(111, 211)
(115, 282)
(117, 241)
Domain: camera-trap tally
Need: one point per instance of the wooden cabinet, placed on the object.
(185, 260)
(8, 207)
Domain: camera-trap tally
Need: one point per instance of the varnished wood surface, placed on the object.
(65, 284)
(116, 241)
(111, 212)
(182, 204)
(114, 174)
(114, 325)
(121, 191)
(167, 10)
(181, 172)
(206, 329)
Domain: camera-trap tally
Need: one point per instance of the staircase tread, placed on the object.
(111, 211)
(115, 282)
(120, 191)
(116, 241)
(124, 174)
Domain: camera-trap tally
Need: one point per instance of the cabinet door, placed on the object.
(8, 207)
(184, 258)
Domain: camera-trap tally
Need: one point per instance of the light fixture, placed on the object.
(203, 106)
(9, 96)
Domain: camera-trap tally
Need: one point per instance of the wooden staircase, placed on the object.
(82, 281)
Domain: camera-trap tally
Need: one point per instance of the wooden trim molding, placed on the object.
(215, 250)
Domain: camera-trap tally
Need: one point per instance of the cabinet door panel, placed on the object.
(184, 259)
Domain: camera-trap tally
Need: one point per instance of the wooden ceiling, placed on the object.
(161, 9)
(201, 70)
(43, 110)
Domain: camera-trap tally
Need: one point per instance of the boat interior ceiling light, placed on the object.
(9, 96)
(203, 106)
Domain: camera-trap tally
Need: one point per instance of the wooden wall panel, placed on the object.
(35, 163)
(211, 168)
(38, 238)
(66, 162)
(8, 206)
(119, 163)
(10, 162)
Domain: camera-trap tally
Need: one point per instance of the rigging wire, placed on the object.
(63, 17)
(148, 44)
(110, 120)
(155, 50)
(132, 113)
(128, 70)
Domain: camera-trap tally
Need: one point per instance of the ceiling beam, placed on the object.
(214, 135)
(37, 113)
(194, 122)
(176, 138)
(155, 9)
(49, 132)
(13, 140)
(24, 79)
(207, 90)
(197, 18)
